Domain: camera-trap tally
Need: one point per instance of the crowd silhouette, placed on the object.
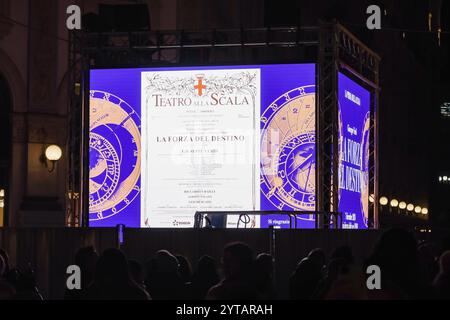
(410, 270)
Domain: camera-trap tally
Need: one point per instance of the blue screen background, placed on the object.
(275, 81)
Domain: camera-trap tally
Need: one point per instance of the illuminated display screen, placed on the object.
(354, 134)
(167, 142)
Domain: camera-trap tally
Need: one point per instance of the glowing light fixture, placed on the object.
(53, 152)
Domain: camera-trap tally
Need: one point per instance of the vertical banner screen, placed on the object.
(354, 135)
(167, 142)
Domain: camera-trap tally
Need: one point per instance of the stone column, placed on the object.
(44, 203)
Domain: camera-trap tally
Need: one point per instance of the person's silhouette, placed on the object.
(166, 283)
(239, 283)
(86, 259)
(112, 280)
(205, 276)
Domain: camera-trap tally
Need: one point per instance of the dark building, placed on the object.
(409, 77)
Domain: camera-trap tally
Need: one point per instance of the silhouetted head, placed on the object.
(303, 282)
(237, 260)
(206, 264)
(444, 263)
(425, 251)
(86, 258)
(337, 267)
(5, 257)
(151, 267)
(166, 262)
(307, 269)
(264, 265)
(184, 268)
(445, 244)
(206, 268)
(318, 257)
(343, 252)
(396, 253)
(427, 260)
(7, 291)
(112, 268)
(136, 271)
(2, 266)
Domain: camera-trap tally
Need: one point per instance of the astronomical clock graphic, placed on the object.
(114, 155)
(288, 151)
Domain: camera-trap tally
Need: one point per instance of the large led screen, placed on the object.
(354, 134)
(167, 142)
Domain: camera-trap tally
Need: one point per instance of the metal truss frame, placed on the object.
(75, 133)
(330, 45)
(340, 50)
(364, 64)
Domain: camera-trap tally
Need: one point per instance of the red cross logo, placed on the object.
(200, 86)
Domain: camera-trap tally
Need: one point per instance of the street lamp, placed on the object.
(417, 209)
(384, 201)
(52, 153)
(402, 205)
(410, 207)
(424, 211)
(394, 203)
